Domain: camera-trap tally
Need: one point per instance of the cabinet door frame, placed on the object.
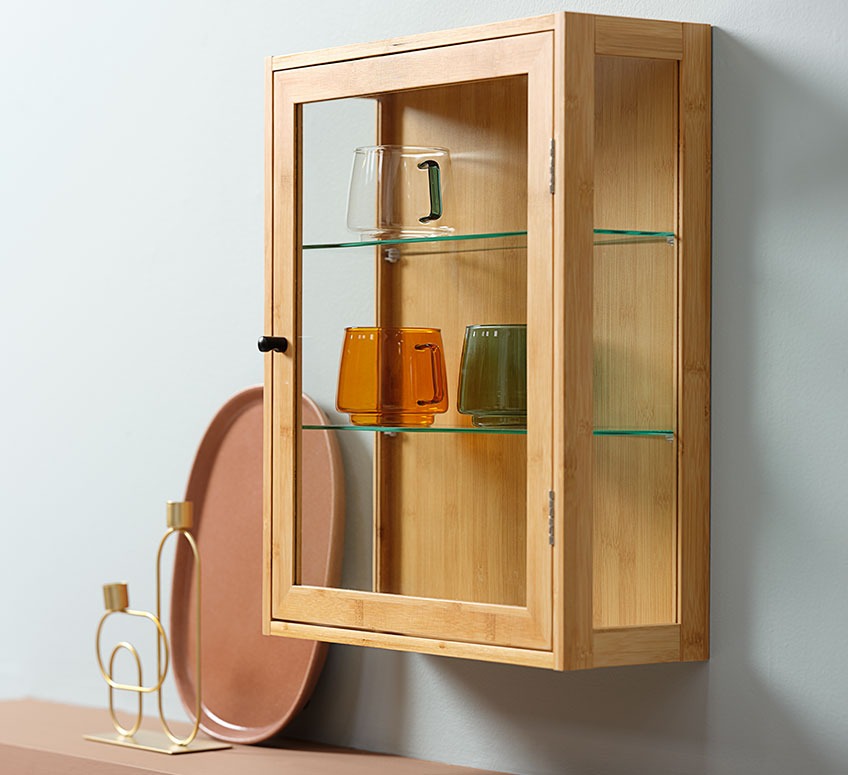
(520, 633)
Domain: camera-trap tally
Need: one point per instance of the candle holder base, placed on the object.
(148, 740)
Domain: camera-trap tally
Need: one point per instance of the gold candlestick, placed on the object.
(179, 517)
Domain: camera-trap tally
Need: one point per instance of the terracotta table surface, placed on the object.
(45, 738)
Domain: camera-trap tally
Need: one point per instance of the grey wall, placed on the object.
(131, 158)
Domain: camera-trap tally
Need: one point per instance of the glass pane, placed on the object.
(413, 339)
(634, 322)
(634, 330)
(338, 291)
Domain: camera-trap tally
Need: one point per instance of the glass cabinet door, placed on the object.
(412, 225)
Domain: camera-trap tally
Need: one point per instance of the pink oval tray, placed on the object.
(252, 684)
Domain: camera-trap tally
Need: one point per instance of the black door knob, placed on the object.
(279, 344)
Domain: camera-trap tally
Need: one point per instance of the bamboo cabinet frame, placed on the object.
(595, 547)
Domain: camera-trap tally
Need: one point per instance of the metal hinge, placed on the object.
(553, 166)
(551, 517)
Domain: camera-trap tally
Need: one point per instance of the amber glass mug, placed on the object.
(392, 376)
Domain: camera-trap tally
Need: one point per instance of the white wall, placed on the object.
(131, 158)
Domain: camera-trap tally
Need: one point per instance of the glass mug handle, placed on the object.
(436, 373)
(434, 180)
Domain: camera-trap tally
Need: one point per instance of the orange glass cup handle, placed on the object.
(436, 373)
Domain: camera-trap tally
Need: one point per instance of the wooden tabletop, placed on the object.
(44, 738)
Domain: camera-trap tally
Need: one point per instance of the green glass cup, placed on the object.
(493, 375)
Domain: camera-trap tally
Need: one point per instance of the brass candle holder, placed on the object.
(116, 601)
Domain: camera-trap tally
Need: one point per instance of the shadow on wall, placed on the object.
(779, 149)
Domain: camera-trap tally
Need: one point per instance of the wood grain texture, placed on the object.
(574, 354)
(636, 143)
(464, 539)
(268, 382)
(635, 547)
(446, 648)
(416, 42)
(638, 37)
(420, 69)
(489, 624)
(634, 325)
(285, 321)
(636, 645)
(694, 359)
(635, 318)
(635, 188)
(479, 115)
(540, 216)
(558, 403)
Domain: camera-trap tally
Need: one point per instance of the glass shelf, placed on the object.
(416, 429)
(417, 240)
(603, 237)
(662, 434)
(629, 237)
(503, 431)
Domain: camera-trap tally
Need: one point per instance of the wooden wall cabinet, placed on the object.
(580, 198)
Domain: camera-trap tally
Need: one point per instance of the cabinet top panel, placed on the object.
(413, 42)
(615, 35)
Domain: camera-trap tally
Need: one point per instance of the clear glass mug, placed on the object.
(392, 376)
(398, 191)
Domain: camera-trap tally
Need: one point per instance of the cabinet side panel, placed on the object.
(695, 224)
(638, 37)
(575, 263)
(634, 324)
(472, 543)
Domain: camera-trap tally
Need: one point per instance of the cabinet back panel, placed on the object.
(435, 537)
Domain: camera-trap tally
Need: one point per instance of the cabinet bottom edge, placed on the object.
(651, 644)
(611, 647)
(441, 647)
